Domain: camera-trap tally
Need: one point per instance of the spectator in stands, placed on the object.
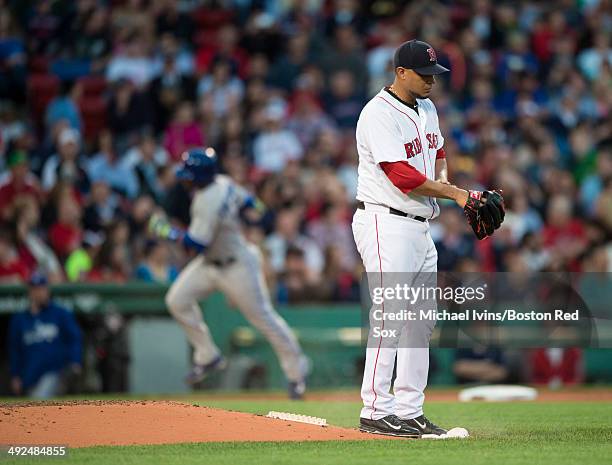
(146, 159)
(80, 262)
(333, 230)
(132, 63)
(170, 20)
(297, 282)
(156, 267)
(21, 182)
(129, 111)
(109, 167)
(556, 367)
(31, 248)
(110, 264)
(12, 59)
(480, 365)
(65, 166)
(345, 54)
(171, 87)
(65, 234)
(222, 87)
(344, 102)
(103, 208)
(308, 119)
(286, 235)
(65, 107)
(13, 268)
(275, 146)
(44, 344)
(183, 132)
(289, 66)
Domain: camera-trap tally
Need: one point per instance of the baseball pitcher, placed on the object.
(226, 262)
(402, 171)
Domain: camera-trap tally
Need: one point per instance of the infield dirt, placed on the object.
(94, 423)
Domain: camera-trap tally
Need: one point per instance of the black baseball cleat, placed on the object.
(199, 372)
(390, 426)
(297, 389)
(426, 428)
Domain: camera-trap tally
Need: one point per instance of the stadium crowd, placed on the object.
(99, 99)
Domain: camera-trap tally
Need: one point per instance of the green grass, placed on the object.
(505, 433)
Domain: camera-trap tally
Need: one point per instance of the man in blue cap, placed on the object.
(44, 344)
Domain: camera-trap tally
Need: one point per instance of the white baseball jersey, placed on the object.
(215, 219)
(389, 131)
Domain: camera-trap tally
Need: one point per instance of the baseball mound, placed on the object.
(95, 423)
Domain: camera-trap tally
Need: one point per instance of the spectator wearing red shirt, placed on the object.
(20, 182)
(65, 235)
(12, 268)
(563, 234)
(556, 367)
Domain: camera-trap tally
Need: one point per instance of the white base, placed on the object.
(498, 393)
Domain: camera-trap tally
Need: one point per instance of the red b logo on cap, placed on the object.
(432, 54)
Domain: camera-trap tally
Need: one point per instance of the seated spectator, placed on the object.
(156, 267)
(603, 208)
(110, 264)
(563, 234)
(290, 65)
(13, 269)
(108, 167)
(65, 107)
(132, 63)
(171, 20)
(32, 250)
(44, 344)
(80, 262)
(19, 183)
(332, 229)
(344, 102)
(129, 111)
(65, 165)
(146, 159)
(556, 367)
(297, 282)
(286, 235)
(66, 233)
(481, 365)
(103, 207)
(308, 120)
(184, 132)
(12, 59)
(274, 147)
(454, 242)
(170, 88)
(222, 87)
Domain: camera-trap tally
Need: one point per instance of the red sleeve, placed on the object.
(440, 154)
(403, 175)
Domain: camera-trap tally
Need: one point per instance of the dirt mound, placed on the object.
(91, 423)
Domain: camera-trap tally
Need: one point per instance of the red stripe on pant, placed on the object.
(383, 323)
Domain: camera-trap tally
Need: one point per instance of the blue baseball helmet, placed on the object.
(199, 166)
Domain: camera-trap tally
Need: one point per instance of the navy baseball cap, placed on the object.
(418, 56)
(37, 279)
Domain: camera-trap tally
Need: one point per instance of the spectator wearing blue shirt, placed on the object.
(156, 267)
(65, 107)
(109, 167)
(44, 344)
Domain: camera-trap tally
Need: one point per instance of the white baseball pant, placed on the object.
(391, 244)
(243, 283)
